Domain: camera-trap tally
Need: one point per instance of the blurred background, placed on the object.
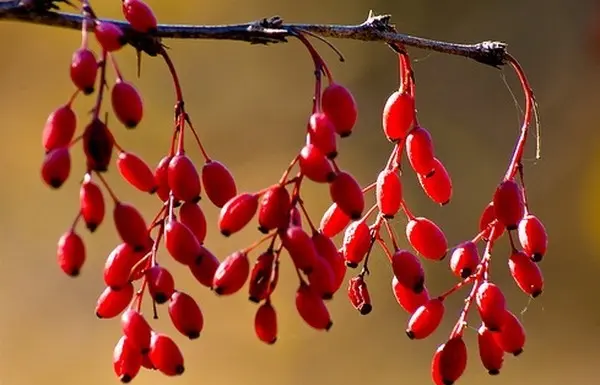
(250, 104)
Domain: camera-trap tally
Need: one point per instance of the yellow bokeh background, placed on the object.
(250, 104)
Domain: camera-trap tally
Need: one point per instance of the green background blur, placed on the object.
(250, 104)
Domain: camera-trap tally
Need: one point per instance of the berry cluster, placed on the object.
(280, 214)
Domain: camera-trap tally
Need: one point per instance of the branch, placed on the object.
(266, 31)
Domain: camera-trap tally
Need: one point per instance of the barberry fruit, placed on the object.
(131, 226)
(161, 176)
(274, 209)
(219, 184)
(312, 309)
(127, 103)
(300, 247)
(408, 270)
(165, 355)
(533, 237)
(398, 115)
(339, 105)
(56, 167)
(237, 212)
(408, 299)
(112, 302)
(232, 274)
(136, 172)
(491, 355)
(137, 330)
(449, 361)
(357, 243)
(127, 360)
(389, 193)
(526, 273)
(191, 215)
(71, 253)
(327, 250)
(183, 179)
(109, 35)
(334, 221)
(489, 222)
(139, 15)
(420, 152)
(426, 319)
(315, 165)
(91, 203)
(161, 284)
(84, 69)
(98, 143)
(491, 304)
(118, 265)
(511, 337)
(265, 323)
(437, 185)
(321, 134)
(182, 244)
(427, 238)
(205, 271)
(260, 276)
(59, 128)
(464, 259)
(186, 315)
(347, 193)
(509, 204)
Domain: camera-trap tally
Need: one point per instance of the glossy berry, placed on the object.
(321, 134)
(205, 271)
(260, 276)
(109, 35)
(137, 330)
(274, 209)
(464, 259)
(526, 273)
(84, 69)
(407, 298)
(437, 185)
(127, 360)
(398, 115)
(449, 361)
(358, 294)
(509, 204)
(91, 203)
(161, 284)
(56, 167)
(127, 103)
(420, 151)
(340, 107)
(334, 221)
(427, 238)
(315, 165)
(312, 309)
(182, 244)
(265, 323)
(533, 237)
(321, 278)
(70, 253)
(98, 143)
(491, 304)
(511, 337)
(139, 15)
(389, 193)
(328, 251)
(426, 319)
(186, 315)
(183, 178)
(136, 172)
(112, 302)
(59, 128)
(118, 265)
(356, 244)
(347, 193)
(488, 223)
(300, 247)
(219, 184)
(408, 270)
(490, 354)
(232, 274)
(161, 176)
(165, 355)
(191, 215)
(130, 225)
(237, 213)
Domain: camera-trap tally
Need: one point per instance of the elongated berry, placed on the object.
(70, 253)
(260, 276)
(340, 107)
(420, 151)
(56, 167)
(526, 273)
(84, 69)
(490, 354)
(205, 271)
(139, 15)
(491, 304)
(183, 178)
(312, 309)
(91, 203)
(511, 337)
(321, 278)
(437, 185)
(464, 259)
(137, 330)
(509, 204)
(186, 315)
(127, 360)
(425, 320)
(398, 115)
(232, 274)
(449, 361)
(130, 225)
(356, 244)
(237, 213)
(112, 302)
(109, 35)
(488, 223)
(334, 221)
(98, 143)
(408, 270)
(118, 265)
(427, 238)
(274, 209)
(300, 247)
(191, 215)
(59, 128)
(407, 298)
(389, 193)
(315, 165)
(358, 293)
(533, 237)
(161, 176)
(161, 284)
(265, 323)
(182, 244)
(347, 193)
(327, 250)
(127, 103)
(165, 355)
(321, 134)
(136, 172)
(219, 184)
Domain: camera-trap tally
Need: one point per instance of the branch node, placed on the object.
(493, 53)
(379, 22)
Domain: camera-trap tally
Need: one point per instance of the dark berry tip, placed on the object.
(125, 378)
(465, 273)
(511, 227)
(355, 216)
(388, 216)
(272, 342)
(153, 190)
(99, 315)
(430, 174)
(537, 257)
(225, 233)
(518, 352)
(366, 309)
(193, 334)
(327, 296)
(74, 273)
(92, 227)
(419, 287)
(445, 203)
(179, 369)
(329, 326)
(253, 299)
(131, 124)
(332, 155)
(410, 334)
(218, 290)
(447, 382)
(493, 372)
(536, 294)
(345, 134)
(88, 90)
(160, 298)
(352, 265)
(331, 177)
(56, 183)
(263, 230)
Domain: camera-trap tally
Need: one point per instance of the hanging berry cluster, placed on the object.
(132, 270)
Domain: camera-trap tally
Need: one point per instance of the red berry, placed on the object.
(265, 323)
(408, 299)
(139, 15)
(295, 217)
(127, 360)
(232, 274)
(449, 361)
(312, 309)
(109, 35)
(321, 278)
(491, 305)
(161, 284)
(183, 178)
(321, 134)
(117, 269)
(398, 115)
(420, 152)
(300, 247)
(130, 225)
(205, 271)
(327, 250)
(161, 176)
(389, 193)
(347, 193)
(137, 330)
(84, 68)
(491, 355)
(427, 238)
(165, 355)
(136, 172)
(533, 237)
(339, 105)
(487, 217)
(274, 209)
(186, 315)
(237, 212)
(219, 184)
(437, 185)
(127, 103)
(315, 165)
(334, 221)
(112, 302)
(464, 259)
(91, 203)
(56, 167)
(526, 274)
(408, 270)
(70, 253)
(59, 128)
(260, 277)
(182, 244)
(425, 319)
(509, 204)
(357, 242)
(511, 337)
(193, 217)
(98, 144)
(358, 294)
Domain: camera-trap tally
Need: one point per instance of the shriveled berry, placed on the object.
(127, 103)
(219, 184)
(509, 204)
(232, 274)
(56, 167)
(315, 165)
(161, 176)
(191, 215)
(419, 151)
(327, 250)
(491, 304)
(139, 15)
(130, 225)
(300, 247)
(237, 212)
(265, 323)
(118, 265)
(205, 271)
(425, 319)
(334, 221)
(398, 115)
(526, 273)
(511, 337)
(161, 284)
(260, 276)
(408, 299)
(136, 172)
(165, 355)
(533, 237)
(186, 315)
(347, 193)
(274, 209)
(98, 143)
(59, 128)
(137, 330)
(84, 69)
(357, 242)
(389, 193)
(70, 253)
(464, 259)
(91, 203)
(112, 302)
(449, 361)
(339, 105)
(321, 133)
(491, 355)
(427, 238)
(183, 178)
(485, 223)
(358, 294)
(109, 35)
(127, 360)
(182, 244)
(408, 270)
(312, 309)
(437, 185)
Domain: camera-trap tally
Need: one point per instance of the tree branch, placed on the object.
(266, 31)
